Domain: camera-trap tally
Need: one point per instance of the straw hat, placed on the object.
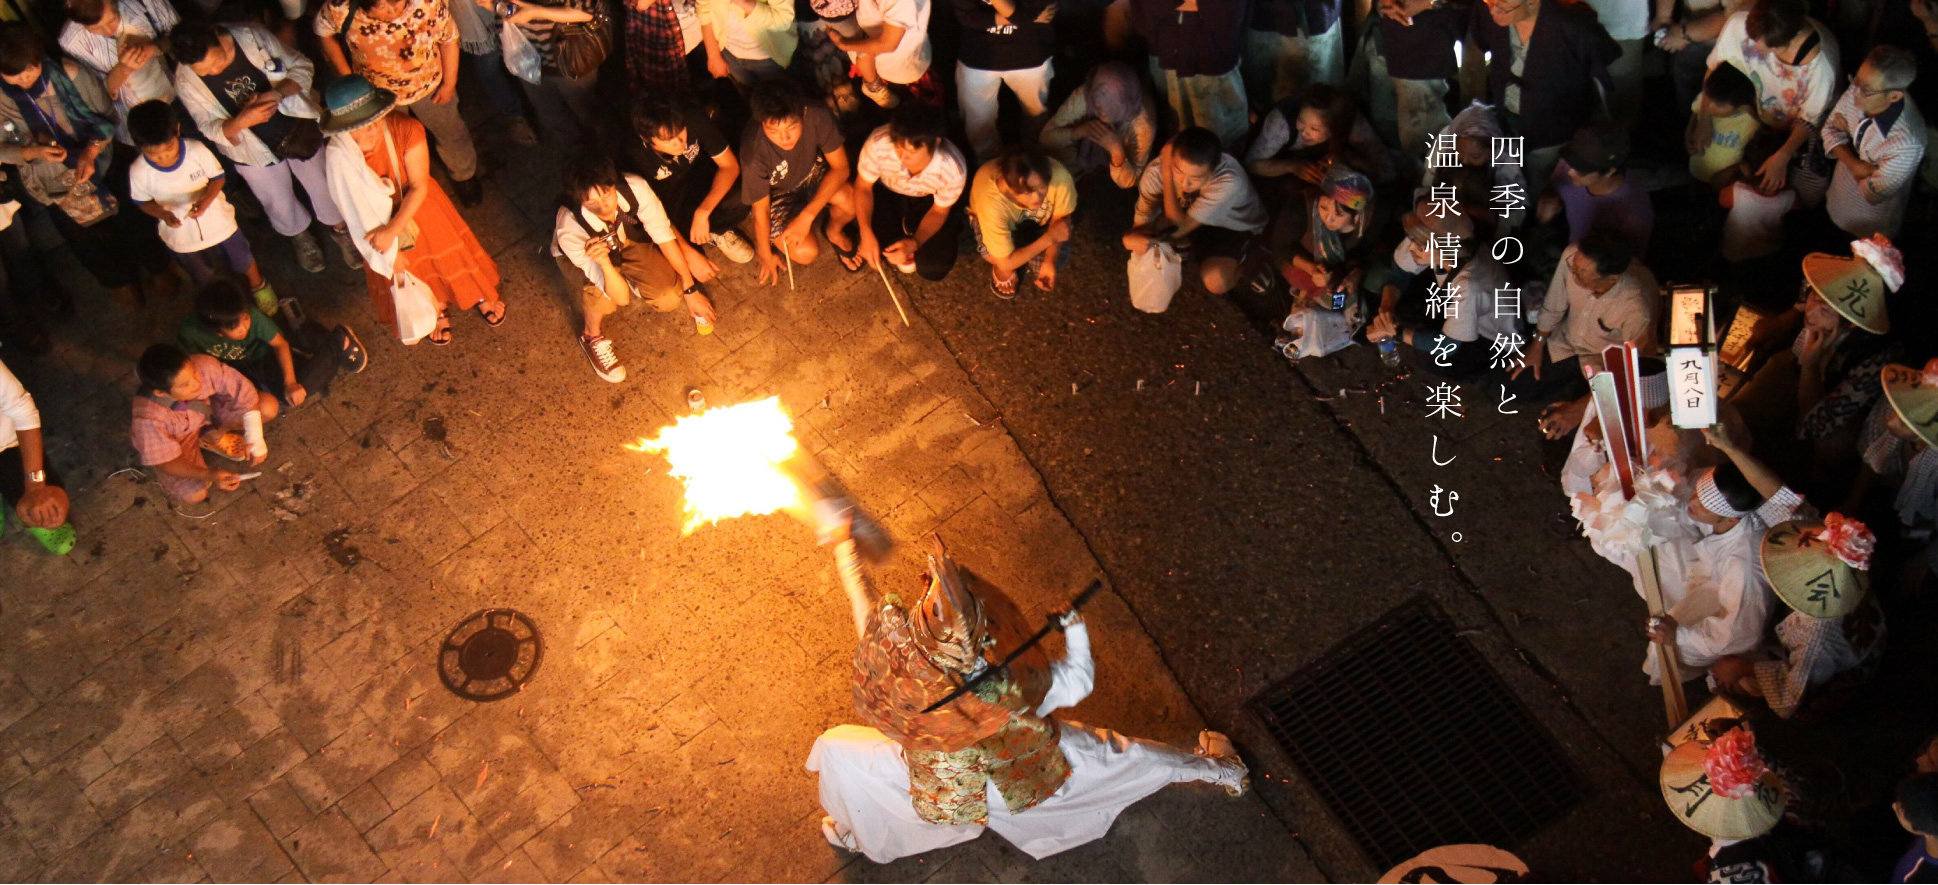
(1914, 395)
(1722, 789)
(1855, 286)
(1819, 568)
(1708, 723)
(352, 103)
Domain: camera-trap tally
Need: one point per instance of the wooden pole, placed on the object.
(891, 294)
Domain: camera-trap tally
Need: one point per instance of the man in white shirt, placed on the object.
(39, 498)
(1601, 295)
(908, 182)
(1877, 137)
(600, 241)
(893, 48)
(1199, 196)
(118, 40)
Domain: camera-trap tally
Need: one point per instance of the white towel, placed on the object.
(363, 197)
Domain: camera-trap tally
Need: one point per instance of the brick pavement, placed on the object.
(251, 695)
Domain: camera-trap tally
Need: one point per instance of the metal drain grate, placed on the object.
(490, 655)
(1414, 742)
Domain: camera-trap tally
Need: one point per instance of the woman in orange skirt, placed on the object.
(422, 231)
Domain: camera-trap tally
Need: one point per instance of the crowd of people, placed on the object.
(1488, 193)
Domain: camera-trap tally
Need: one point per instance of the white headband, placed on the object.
(1655, 391)
(1712, 498)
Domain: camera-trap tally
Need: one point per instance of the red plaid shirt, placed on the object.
(162, 434)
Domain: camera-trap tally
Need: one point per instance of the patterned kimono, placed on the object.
(990, 734)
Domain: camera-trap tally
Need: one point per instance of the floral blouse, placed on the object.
(401, 55)
(1785, 93)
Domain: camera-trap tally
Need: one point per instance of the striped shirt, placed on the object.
(943, 178)
(141, 20)
(1895, 142)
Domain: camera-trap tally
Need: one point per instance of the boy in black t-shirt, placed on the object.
(793, 165)
(686, 160)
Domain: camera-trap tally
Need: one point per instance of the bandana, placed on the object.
(1655, 391)
(1346, 187)
(1712, 497)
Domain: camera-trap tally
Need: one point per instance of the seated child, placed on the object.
(1724, 122)
(227, 327)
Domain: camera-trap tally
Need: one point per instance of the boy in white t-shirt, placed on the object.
(179, 181)
(893, 48)
(1754, 227)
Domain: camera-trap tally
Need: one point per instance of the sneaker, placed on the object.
(1232, 773)
(350, 355)
(348, 247)
(605, 363)
(734, 246)
(266, 300)
(521, 132)
(309, 256)
(880, 94)
(468, 192)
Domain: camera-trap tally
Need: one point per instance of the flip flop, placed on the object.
(502, 308)
(851, 254)
(444, 326)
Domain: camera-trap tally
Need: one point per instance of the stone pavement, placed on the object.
(249, 693)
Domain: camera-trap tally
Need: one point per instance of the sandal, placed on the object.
(1004, 289)
(441, 335)
(493, 320)
(849, 257)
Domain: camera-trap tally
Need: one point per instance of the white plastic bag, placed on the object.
(1155, 275)
(521, 57)
(416, 307)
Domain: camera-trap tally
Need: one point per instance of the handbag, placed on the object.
(1156, 274)
(582, 46)
(301, 142)
(416, 307)
(407, 240)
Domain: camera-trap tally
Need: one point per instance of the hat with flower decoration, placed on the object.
(1855, 286)
(1821, 569)
(1722, 789)
(1914, 396)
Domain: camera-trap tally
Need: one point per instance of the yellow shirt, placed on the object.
(1728, 136)
(997, 215)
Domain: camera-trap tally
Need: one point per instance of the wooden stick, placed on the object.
(891, 293)
(1674, 704)
(790, 268)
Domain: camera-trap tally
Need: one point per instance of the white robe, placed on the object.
(865, 784)
(1712, 585)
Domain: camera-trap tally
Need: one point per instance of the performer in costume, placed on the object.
(992, 758)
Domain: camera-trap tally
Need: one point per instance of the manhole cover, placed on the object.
(490, 655)
(1414, 742)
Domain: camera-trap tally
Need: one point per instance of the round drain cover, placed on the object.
(490, 655)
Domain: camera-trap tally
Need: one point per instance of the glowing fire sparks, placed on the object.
(729, 458)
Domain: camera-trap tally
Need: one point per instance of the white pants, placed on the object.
(977, 92)
(273, 188)
(864, 787)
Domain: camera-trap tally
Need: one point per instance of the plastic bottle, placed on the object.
(1389, 352)
(703, 324)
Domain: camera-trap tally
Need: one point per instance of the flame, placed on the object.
(729, 459)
